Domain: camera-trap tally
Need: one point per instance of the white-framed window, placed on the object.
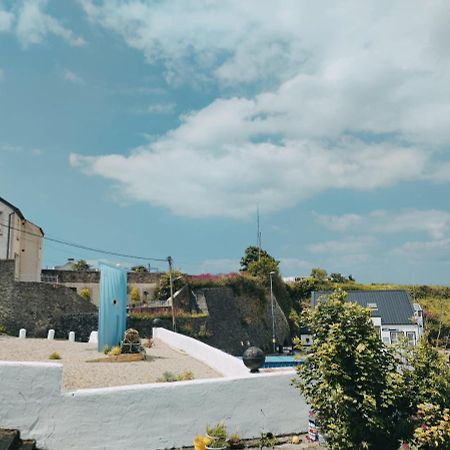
(394, 336)
(411, 336)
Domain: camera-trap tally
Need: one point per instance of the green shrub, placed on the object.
(85, 293)
(54, 355)
(3, 329)
(115, 351)
(106, 349)
(170, 377)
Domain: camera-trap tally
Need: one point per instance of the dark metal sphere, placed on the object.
(157, 323)
(254, 358)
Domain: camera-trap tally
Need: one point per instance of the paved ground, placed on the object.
(80, 374)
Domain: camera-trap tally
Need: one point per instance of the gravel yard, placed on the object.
(79, 374)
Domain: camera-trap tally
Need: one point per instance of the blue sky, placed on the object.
(155, 128)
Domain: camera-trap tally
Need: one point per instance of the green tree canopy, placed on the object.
(319, 274)
(139, 269)
(81, 266)
(178, 280)
(349, 378)
(252, 254)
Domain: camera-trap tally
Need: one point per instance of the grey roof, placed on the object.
(393, 306)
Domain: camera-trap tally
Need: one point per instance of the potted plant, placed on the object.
(216, 437)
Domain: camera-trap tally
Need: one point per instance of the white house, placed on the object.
(21, 241)
(393, 313)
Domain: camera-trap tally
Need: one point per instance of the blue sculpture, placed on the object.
(112, 315)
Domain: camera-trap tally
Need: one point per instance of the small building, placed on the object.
(144, 284)
(21, 241)
(393, 313)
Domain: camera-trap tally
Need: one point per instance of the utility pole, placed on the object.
(258, 234)
(273, 317)
(174, 325)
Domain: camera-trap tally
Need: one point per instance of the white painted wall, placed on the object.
(150, 417)
(220, 361)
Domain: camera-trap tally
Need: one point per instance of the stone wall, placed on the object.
(235, 320)
(93, 276)
(34, 306)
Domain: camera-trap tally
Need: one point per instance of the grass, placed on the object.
(54, 355)
(169, 377)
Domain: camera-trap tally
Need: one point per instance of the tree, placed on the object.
(134, 295)
(337, 278)
(178, 280)
(253, 254)
(81, 266)
(319, 274)
(139, 269)
(349, 378)
(85, 293)
(263, 267)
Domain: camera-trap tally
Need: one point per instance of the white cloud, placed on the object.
(350, 96)
(347, 246)
(424, 250)
(73, 77)
(33, 25)
(295, 266)
(341, 222)
(157, 108)
(435, 223)
(6, 21)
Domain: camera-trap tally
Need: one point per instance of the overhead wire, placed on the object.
(85, 247)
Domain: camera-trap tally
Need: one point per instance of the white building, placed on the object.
(21, 241)
(393, 313)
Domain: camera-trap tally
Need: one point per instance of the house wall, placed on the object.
(24, 246)
(386, 331)
(152, 416)
(4, 218)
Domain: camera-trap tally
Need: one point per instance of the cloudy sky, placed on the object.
(156, 128)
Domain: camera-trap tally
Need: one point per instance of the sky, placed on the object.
(156, 128)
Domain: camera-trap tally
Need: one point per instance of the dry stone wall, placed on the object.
(35, 306)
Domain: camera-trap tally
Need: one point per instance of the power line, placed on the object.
(85, 247)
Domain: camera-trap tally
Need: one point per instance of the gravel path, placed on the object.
(79, 374)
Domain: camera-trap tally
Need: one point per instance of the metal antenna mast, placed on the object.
(258, 235)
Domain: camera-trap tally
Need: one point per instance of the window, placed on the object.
(394, 336)
(411, 336)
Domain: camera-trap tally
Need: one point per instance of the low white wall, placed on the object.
(150, 417)
(220, 361)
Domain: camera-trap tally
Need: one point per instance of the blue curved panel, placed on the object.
(112, 314)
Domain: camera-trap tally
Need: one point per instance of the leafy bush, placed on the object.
(85, 293)
(349, 378)
(267, 440)
(3, 329)
(134, 295)
(106, 349)
(433, 431)
(170, 377)
(54, 355)
(115, 351)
